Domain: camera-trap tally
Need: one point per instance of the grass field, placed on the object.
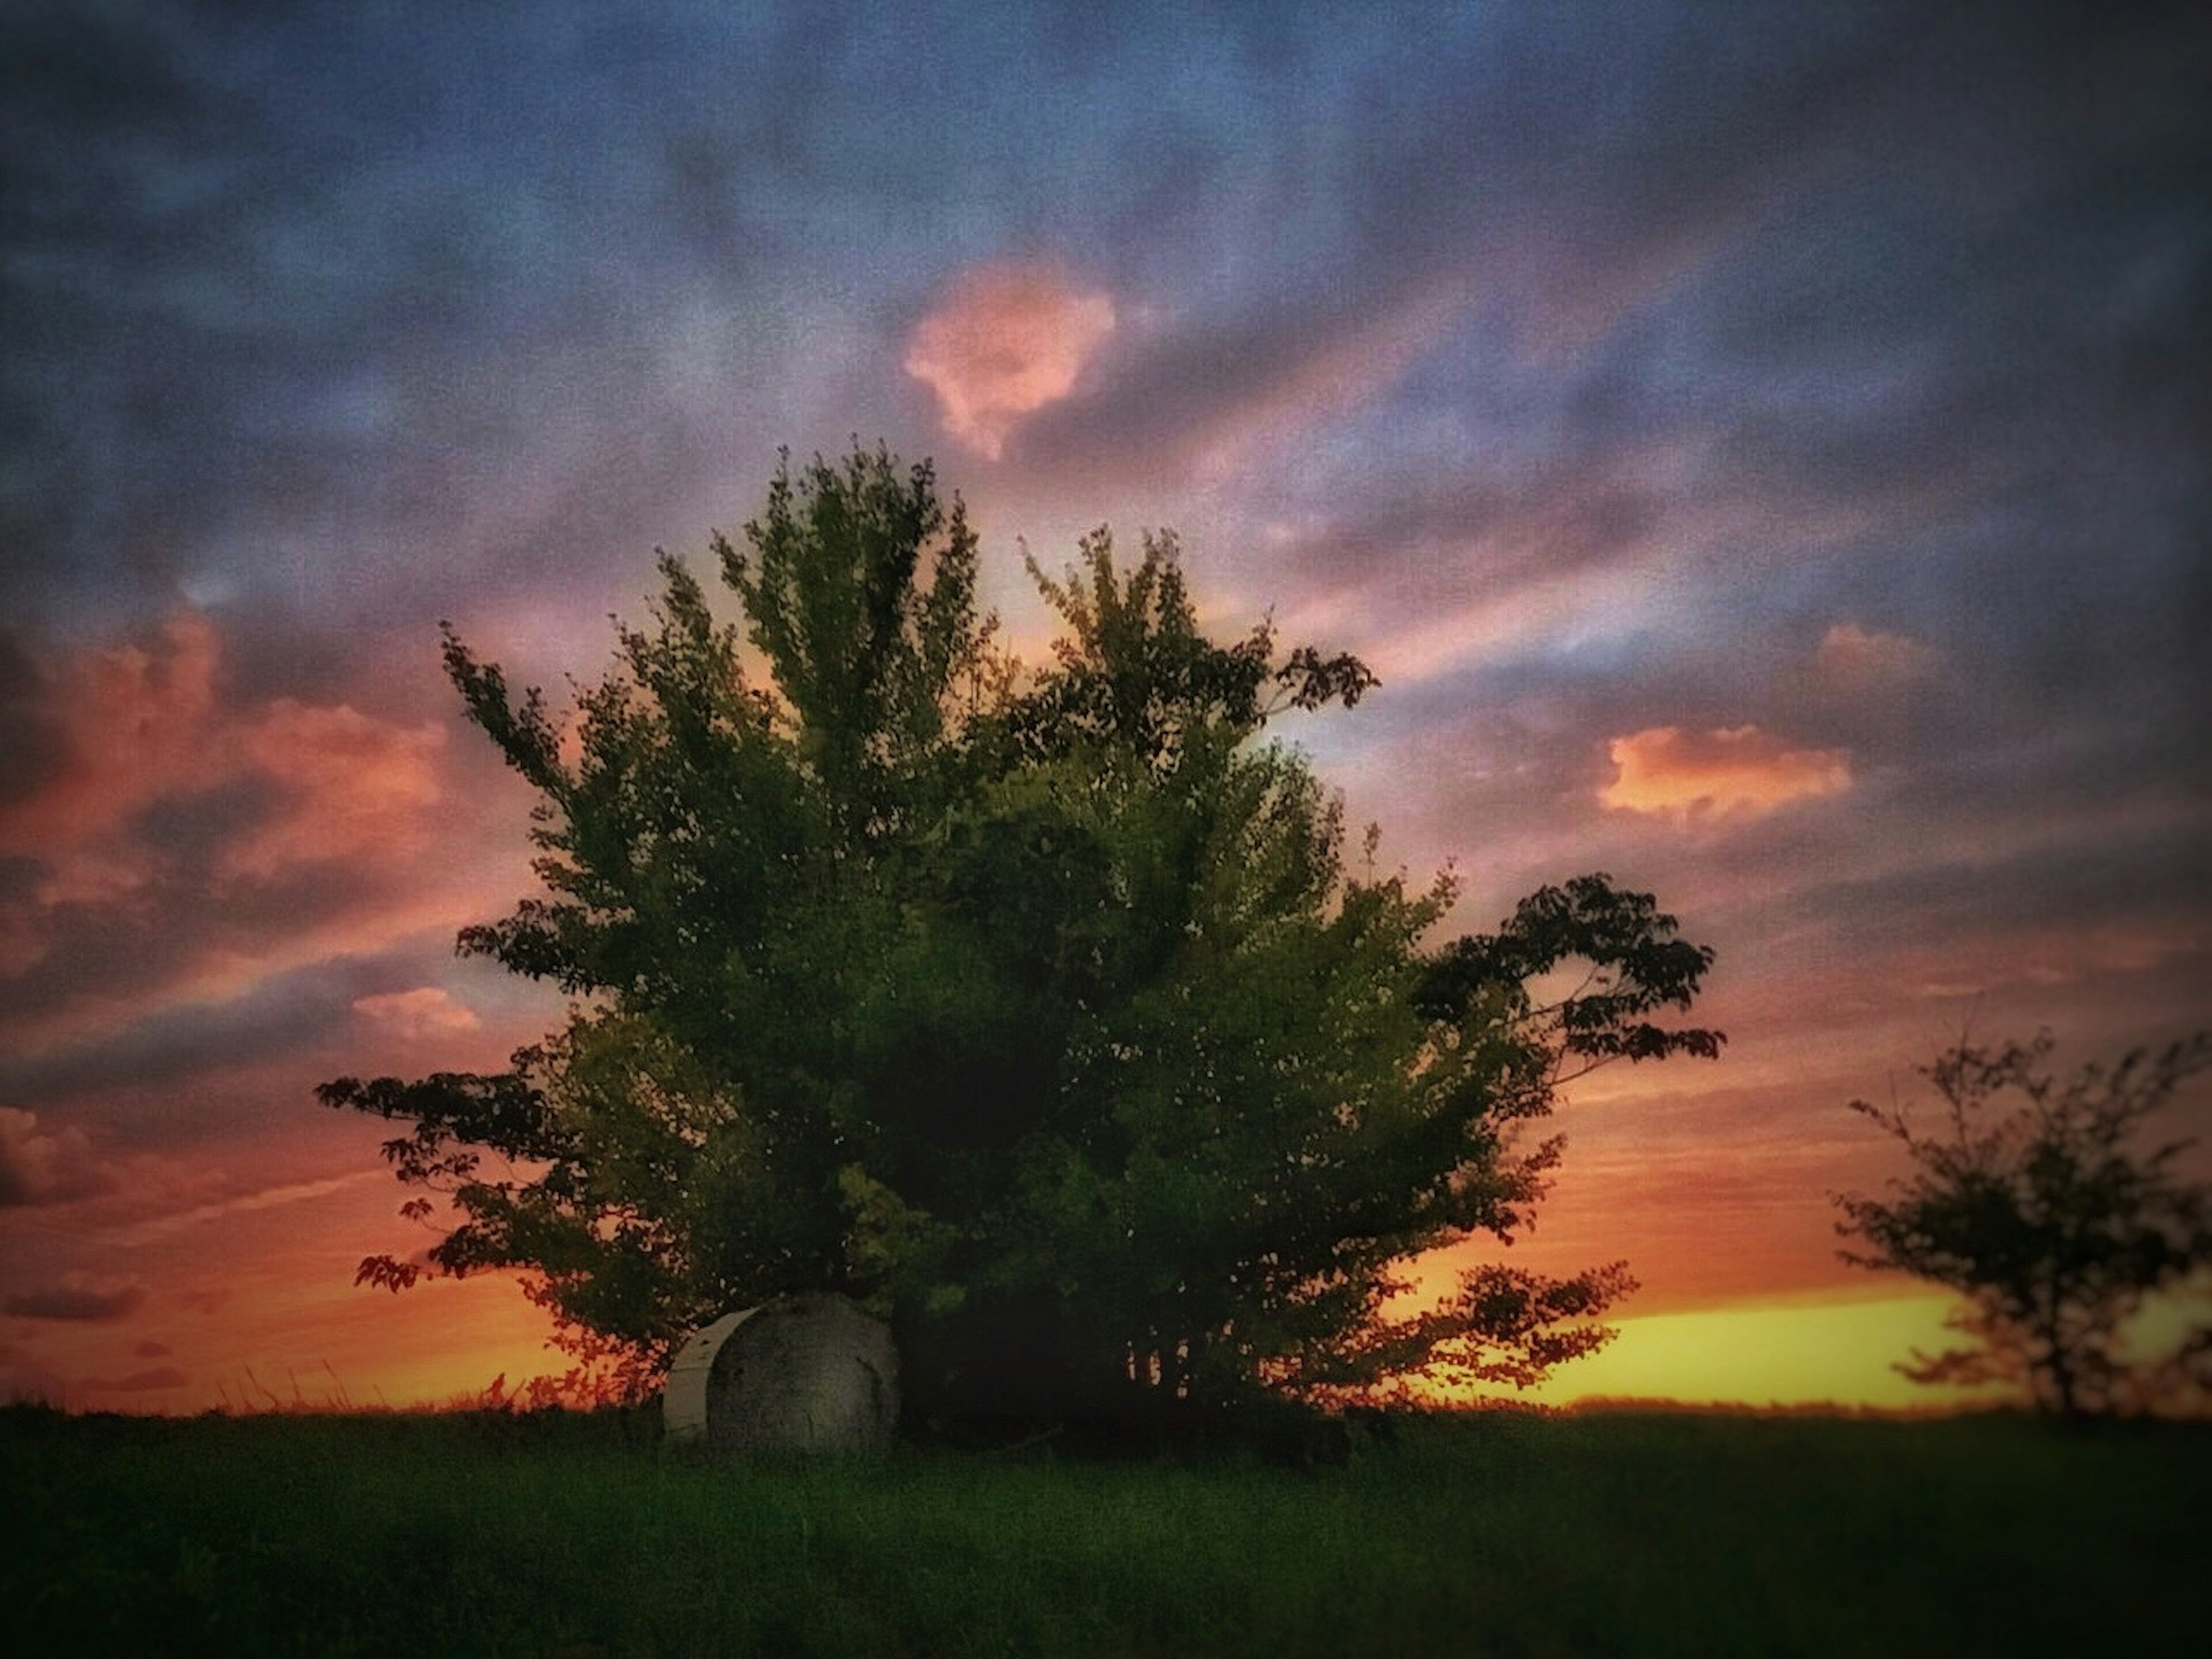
(1499, 1534)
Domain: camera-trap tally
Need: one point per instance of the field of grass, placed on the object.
(1499, 1534)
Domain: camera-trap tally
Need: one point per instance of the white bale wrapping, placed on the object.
(801, 1374)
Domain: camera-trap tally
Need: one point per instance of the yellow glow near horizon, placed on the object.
(1826, 1351)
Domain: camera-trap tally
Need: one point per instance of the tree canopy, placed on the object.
(1039, 1009)
(2052, 1225)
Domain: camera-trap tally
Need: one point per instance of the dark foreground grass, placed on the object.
(1496, 1535)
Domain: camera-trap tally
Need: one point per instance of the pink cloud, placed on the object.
(46, 1166)
(355, 786)
(132, 722)
(1734, 771)
(143, 724)
(1004, 341)
(186, 844)
(423, 1012)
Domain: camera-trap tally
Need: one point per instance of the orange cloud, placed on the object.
(1006, 341)
(354, 787)
(1739, 770)
(425, 1011)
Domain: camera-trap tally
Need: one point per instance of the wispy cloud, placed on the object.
(158, 1379)
(158, 1228)
(77, 1299)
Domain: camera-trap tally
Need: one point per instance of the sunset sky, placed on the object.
(1760, 448)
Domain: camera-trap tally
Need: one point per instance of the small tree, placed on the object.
(2050, 1222)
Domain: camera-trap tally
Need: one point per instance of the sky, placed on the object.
(1760, 448)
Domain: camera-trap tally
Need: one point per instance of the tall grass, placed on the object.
(1494, 1535)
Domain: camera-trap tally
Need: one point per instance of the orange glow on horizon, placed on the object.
(330, 1346)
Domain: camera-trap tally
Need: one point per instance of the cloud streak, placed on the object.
(77, 1299)
(156, 1229)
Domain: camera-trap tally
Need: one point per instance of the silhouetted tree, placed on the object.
(2050, 1222)
(1038, 1010)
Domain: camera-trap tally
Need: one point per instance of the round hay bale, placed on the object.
(803, 1374)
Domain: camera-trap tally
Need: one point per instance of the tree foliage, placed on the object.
(2052, 1225)
(1037, 1009)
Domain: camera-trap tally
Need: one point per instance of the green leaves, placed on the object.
(860, 593)
(1037, 1009)
(1635, 965)
(2047, 1219)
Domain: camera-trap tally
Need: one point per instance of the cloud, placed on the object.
(147, 757)
(77, 1297)
(425, 1011)
(39, 1167)
(1730, 771)
(159, 1227)
(354, 787)
(1204, 390)
(253, 1016)
(1853, 658)
(155, 1381)
(125, 725)
(187, 842)
(1004, 341)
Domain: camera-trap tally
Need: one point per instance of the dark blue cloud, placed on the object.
(297, 1014)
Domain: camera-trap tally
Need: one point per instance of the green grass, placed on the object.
(1497, 1534)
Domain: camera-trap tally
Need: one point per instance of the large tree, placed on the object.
(2054, 1224)
(1040, 1010)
